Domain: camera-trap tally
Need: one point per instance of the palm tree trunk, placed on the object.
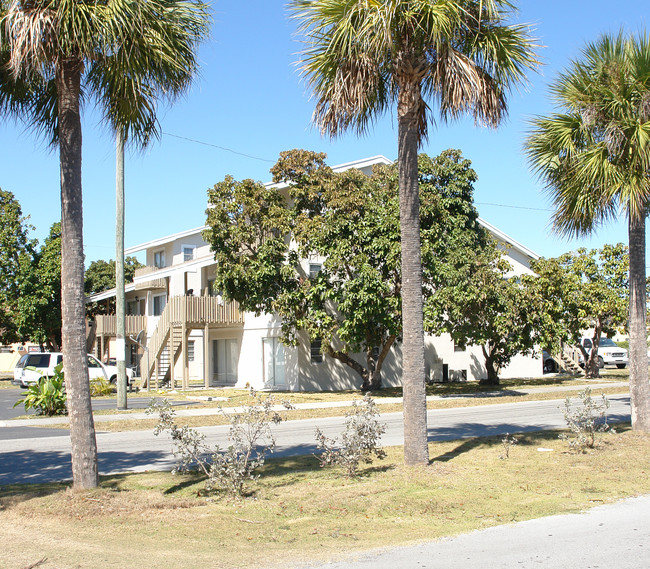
(75, 361)
(416, 450)
(639, 386)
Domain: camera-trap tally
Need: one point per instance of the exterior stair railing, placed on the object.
(181, 315)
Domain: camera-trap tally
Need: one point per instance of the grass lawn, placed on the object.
(297, 512)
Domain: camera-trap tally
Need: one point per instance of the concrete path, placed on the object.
(206, 411)
(616, 536)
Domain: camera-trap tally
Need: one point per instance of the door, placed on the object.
(225, 356)
(274, 363)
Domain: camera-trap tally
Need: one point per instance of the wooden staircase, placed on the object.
(569, 358)
(168, 343)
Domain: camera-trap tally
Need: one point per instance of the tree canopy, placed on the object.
(16, 253)
(594, 157)
(100, 276)
(579, 291)
(322, 248)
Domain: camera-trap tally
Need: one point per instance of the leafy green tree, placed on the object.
(16, 251)
(484, 305)
(594, 157)
(262, 238)
(39, 303)
(100, 276)
(124, 54)
(579, 291)
(365, 58)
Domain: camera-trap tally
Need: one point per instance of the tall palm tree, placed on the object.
(365, 56)
(122, 53)
(594, 158)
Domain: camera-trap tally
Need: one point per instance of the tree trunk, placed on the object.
(120, 300)
(75, 361)
(639, 385)
(416, 449)
(592, 371)
(490, 367)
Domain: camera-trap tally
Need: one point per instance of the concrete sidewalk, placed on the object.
(209, 411)
(615, 536)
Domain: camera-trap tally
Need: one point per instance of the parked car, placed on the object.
(609, 353)
(31, 367)
(550, 365)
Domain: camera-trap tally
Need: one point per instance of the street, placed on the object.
(46, 457)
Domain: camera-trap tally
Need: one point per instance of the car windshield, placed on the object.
(608, 343)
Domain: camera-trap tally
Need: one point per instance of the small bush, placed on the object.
(100, 387)
(47, 395)
(250, 439)
(359, 441)
(507, 443)
(585, 422)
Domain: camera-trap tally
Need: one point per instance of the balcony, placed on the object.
(107, 325)
(152, 283)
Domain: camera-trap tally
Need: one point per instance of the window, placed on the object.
(132, 307)
(458, 347)
(159, 259)
(316, 354)
(314, 269)
(190, 351)
(188, 252)
(159, 302)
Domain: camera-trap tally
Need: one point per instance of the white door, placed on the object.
(225, 356)
(274, 362)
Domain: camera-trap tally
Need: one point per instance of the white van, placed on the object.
(43, 364)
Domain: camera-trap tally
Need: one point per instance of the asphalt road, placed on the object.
(47, 457)
(8, 397)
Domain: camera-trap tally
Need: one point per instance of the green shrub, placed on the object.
(100, 386)
(47, 395)
(250, 438)
(586, 421)
(359, 441)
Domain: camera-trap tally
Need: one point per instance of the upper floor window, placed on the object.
(159, 259)
(314, 269)
(188, 252)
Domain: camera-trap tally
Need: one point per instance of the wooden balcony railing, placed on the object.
(149, 284)
(107, 325)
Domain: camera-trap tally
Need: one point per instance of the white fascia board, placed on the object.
(164, 240)
(358, 164)
(507, 239)
(110, 293)
(363, 163)
(188, 267)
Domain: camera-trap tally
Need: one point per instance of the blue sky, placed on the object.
(249, 104)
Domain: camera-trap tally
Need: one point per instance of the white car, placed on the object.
(31, 367)
(609, 353)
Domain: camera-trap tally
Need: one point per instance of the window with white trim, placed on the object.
(159, 259)
(188, 252)
(159, 302)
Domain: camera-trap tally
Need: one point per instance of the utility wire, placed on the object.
(513, 206)
(271, 161)
(217, 146)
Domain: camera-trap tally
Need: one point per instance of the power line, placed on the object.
(217, 146)
(513, 206)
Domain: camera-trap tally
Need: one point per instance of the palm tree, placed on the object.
(594, 158)
(363, 57)
(123, 53)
